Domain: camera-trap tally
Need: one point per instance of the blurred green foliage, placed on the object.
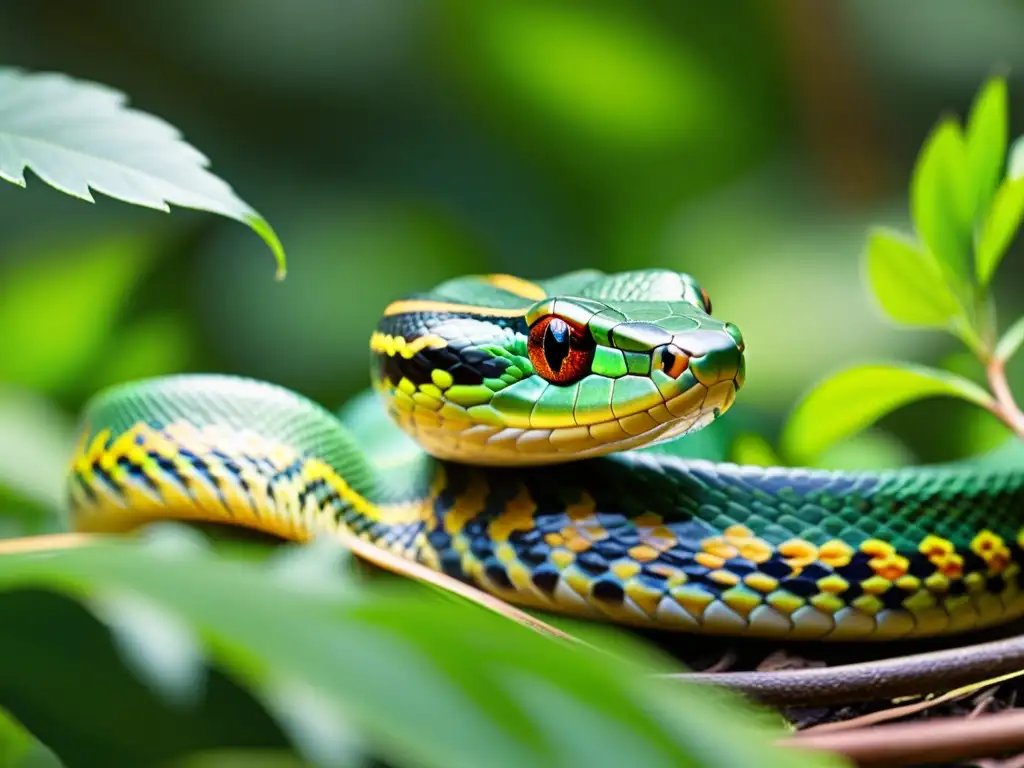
(965, 216)
(395, 144)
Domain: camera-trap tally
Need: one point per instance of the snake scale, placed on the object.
(519, 436)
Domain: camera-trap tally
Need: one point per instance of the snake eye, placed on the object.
(706, 299)
(671, 360)
(559, 352)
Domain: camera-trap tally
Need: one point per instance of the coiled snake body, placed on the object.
(534, 459)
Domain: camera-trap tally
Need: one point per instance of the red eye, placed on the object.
(560, 352)
(706, 299)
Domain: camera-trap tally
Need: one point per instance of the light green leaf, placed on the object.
(986, 142)
(907, 283)
(1011, 340)
(1015, 165)
(940, 199)
(59, 302)
(79, 136)
(855, 398)
(999, 228)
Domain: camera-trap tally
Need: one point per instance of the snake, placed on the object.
(524, 437)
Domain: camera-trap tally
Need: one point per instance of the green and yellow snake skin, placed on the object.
(535, 461)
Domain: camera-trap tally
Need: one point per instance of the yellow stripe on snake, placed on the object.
(522, 436)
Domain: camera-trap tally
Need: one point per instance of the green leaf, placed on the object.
(423, 681)
(1015, 165)
(156, 644)
(20, 749)
(314, 722)
(986, 142)
(65, 680)
(908, 284)
(79, 136)
(998, 228)
(241, 759)
(36, 440)
(940, 199)
(1011, 340)
(855, 398)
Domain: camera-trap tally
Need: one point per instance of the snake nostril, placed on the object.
(722, 360)
(734, 332)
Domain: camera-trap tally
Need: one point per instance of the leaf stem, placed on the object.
(1004, 407)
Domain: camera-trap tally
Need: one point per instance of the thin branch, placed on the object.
(404, 567)
(1005, 408)
(941, 740)
(47, 542)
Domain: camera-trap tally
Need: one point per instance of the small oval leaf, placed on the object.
(986, 142)
(78, 137)
(908, 284)
(855, 398)
(998, 228)
(939, 198)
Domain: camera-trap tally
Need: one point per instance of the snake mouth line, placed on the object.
(500, 445)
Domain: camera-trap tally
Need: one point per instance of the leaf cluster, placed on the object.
(966, 203)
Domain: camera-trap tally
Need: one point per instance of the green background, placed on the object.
(393, 144)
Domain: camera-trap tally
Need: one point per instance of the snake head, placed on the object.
(583, 370)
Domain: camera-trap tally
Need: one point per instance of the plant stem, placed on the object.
(1004, 408)
(942, 740)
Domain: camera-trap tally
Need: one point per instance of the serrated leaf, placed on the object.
(907, 283)
(1011, 341)
(79, 136)
(857, 397)
(940, 199)
(999, 228)
(423, 681)
(986, 142)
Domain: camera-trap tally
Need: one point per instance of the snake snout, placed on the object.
(716, 356)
